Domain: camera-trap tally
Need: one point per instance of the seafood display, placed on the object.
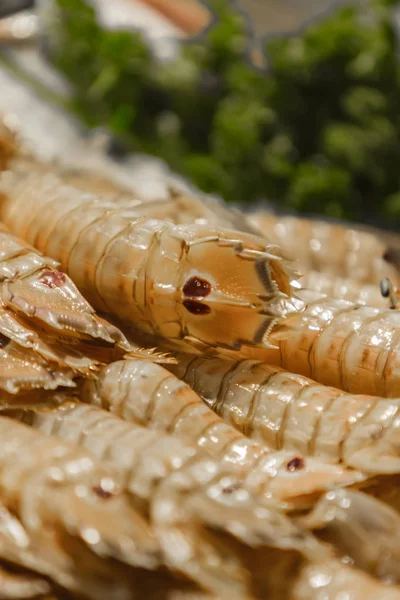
(158, 472)
(195, 403)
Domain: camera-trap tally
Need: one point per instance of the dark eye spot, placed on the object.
(102, 493)
(231, 488)
(385, 287)
(4, 341)
(196, 308)
(295, 464)
(197, 287)
(53, 279)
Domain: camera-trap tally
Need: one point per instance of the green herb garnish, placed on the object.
(318, 132)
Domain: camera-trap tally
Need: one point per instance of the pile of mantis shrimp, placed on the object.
(183, 415)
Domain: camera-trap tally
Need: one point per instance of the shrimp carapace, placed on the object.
(42, 310)
(219, 287)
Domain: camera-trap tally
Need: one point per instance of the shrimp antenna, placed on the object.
(389, 291)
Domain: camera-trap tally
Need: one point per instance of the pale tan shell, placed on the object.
(149, 272)
(337, 343)
(338, 287)
(287, 411)
(142, 393)
(335, 250)
(332, 580)
(54, 486)
(361, 528)
(184, 492)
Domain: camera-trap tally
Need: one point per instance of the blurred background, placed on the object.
(294, 104)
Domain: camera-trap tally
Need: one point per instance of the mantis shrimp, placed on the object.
(48, 332)
(337, 343)
(116, 441)
(346, 289)
(360, 527)
(358, 256)
(147, 394)
(184, 494)
(186, 282)
(352, 273)
(68, 502)
(286, 411)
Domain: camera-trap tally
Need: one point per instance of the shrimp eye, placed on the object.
(385, 287)
(196, 287)
(196, 308)
(295, 464)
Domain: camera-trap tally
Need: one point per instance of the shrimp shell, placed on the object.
(331, 580)
(19, 586)
(23, 370)
(179, 488)
(71, 566)
(52, 486)
(339, 251)
(337, 343)
(286, 411)
(148, 395)
(362, 528)
(33, 288)
(221, 287)
(346, 289)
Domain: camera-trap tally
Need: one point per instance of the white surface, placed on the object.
(53, 135)
(130, 13)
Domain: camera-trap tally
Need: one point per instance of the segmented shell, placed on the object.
(287, 411)
(339, 251)
(216, 286)
(186, 494)
(142, 393)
